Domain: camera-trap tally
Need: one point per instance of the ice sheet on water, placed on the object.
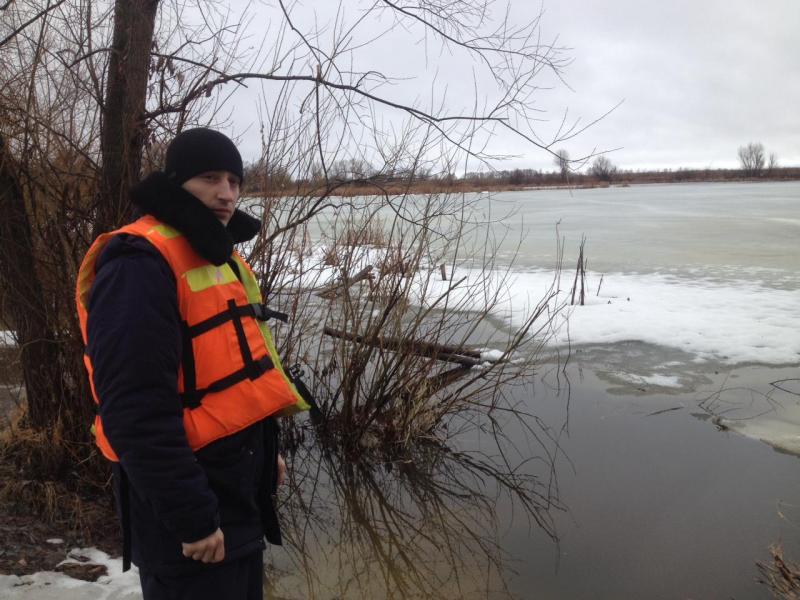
(758, 402)
(658, 380)
(733, 321)
(780, 430)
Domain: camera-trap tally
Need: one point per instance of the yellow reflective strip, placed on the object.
(248, 280)
(254, 295)
(293, 409)
(165, 230)
(299, 403)
(202, 278)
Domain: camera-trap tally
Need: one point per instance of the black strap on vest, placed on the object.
(257, 311)
(252, 369)
(296, 374)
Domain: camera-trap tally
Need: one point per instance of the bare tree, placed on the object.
(562, 161)
(603, 169)
(751, 157)
(772, 164)
(90, 92)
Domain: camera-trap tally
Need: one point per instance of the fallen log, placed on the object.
(454, 354)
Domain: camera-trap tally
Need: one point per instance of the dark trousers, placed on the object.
(240, 579)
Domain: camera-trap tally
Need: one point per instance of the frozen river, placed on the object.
(730, 231)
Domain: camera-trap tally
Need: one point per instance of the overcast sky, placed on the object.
(697, 79)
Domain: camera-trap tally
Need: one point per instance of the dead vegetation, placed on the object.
(43, 475)
(392, 351)
(781, 577)
(44, 496)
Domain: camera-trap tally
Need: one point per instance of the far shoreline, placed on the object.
(505, 182)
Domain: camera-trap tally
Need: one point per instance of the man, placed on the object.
(186, 378)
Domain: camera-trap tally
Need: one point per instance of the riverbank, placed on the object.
(510, 181)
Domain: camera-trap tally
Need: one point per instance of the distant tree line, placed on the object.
(601, 172)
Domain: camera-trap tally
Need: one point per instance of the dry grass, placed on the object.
(371, 233)
(41, 480)
(368, 234)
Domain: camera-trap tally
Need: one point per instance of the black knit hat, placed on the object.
(196, 151)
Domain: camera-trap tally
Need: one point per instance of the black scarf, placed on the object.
(161, 197)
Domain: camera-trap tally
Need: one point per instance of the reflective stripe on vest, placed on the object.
(230, 375)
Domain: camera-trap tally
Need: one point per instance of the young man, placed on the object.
(186, 378)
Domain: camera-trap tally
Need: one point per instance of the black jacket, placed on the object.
(134, 342)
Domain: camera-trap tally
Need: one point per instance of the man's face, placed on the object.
(218, 190)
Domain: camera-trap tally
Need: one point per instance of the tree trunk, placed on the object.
(25, 305)
(123, 132)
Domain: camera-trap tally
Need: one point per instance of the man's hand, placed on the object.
(210, 549)
(281, 469)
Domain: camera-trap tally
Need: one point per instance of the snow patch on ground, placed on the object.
(50, 585)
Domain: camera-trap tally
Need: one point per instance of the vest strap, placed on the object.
(254, 370)
(256, 311)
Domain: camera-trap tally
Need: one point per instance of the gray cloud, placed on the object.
(698, 79)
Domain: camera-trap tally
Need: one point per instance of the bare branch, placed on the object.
(29, 22)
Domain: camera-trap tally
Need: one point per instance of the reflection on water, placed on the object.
(424, 526)
(651, 502)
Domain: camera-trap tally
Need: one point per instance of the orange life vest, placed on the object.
(230, 376)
